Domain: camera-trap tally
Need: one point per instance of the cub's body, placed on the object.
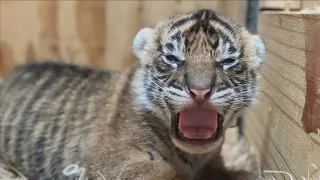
(55, 115)
(129, 125)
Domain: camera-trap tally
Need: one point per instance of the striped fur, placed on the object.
(43, 110)
(119, 125)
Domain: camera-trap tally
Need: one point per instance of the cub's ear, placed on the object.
(259, 47)
(140, 41)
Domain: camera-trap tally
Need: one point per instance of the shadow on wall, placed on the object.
(6, 58)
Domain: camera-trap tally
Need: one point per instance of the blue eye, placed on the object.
(228, 62)
(172, 60)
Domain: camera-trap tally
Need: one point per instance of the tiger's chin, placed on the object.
(197, 130)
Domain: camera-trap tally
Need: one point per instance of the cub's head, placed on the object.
(197, 72)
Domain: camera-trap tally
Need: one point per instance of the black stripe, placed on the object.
(39, 156)
(150, 90)
(9, 129)
(173, 84)
(159, 45)
(126, 88)
(160, 68)
(241, 68)
(74, 112)
(211, 32)
(70, 85)
(49, 128)
(223, 96)
(170, 46)
(221, 87)
(240, 125)
(177, 36)
(152, 145)
(151, 156)
(232, 50)
(34, 121)
(225, 38)
(148, 66)
(159, 104)
(195, 16)
(235, 112)
(241, 80)
(241, 55)
(22, 133)
(160, 89)
(177, 87)
(51, 125)
(234, 83)
(137, 147)
(162, 77)
(57, 161)
(180, 22)
(195, 28)
(167, 103)
(186, 44)
(214, 45)
(222, 23)
(229, 105)
(175, 94)
(183, 158)
(198, 14)
(253, 74)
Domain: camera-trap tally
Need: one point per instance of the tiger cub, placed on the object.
(163, 118)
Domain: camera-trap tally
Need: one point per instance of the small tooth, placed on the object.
(187, 136)
(208, 136)
(191, 137)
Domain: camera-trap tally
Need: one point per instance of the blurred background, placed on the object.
(98, 33)
(284, 124)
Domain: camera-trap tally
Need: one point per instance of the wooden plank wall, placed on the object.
(280, 4)
(310, 3)
(284, 124)
(98, 33)
(289, 4)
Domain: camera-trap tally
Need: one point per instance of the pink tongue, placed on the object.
(198, 123)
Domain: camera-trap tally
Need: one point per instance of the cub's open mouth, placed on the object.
(198, 125)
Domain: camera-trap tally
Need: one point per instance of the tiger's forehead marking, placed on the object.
(201, 33)
(223, 29)
(183, 28)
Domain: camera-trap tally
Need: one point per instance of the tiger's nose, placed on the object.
(200, 95)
